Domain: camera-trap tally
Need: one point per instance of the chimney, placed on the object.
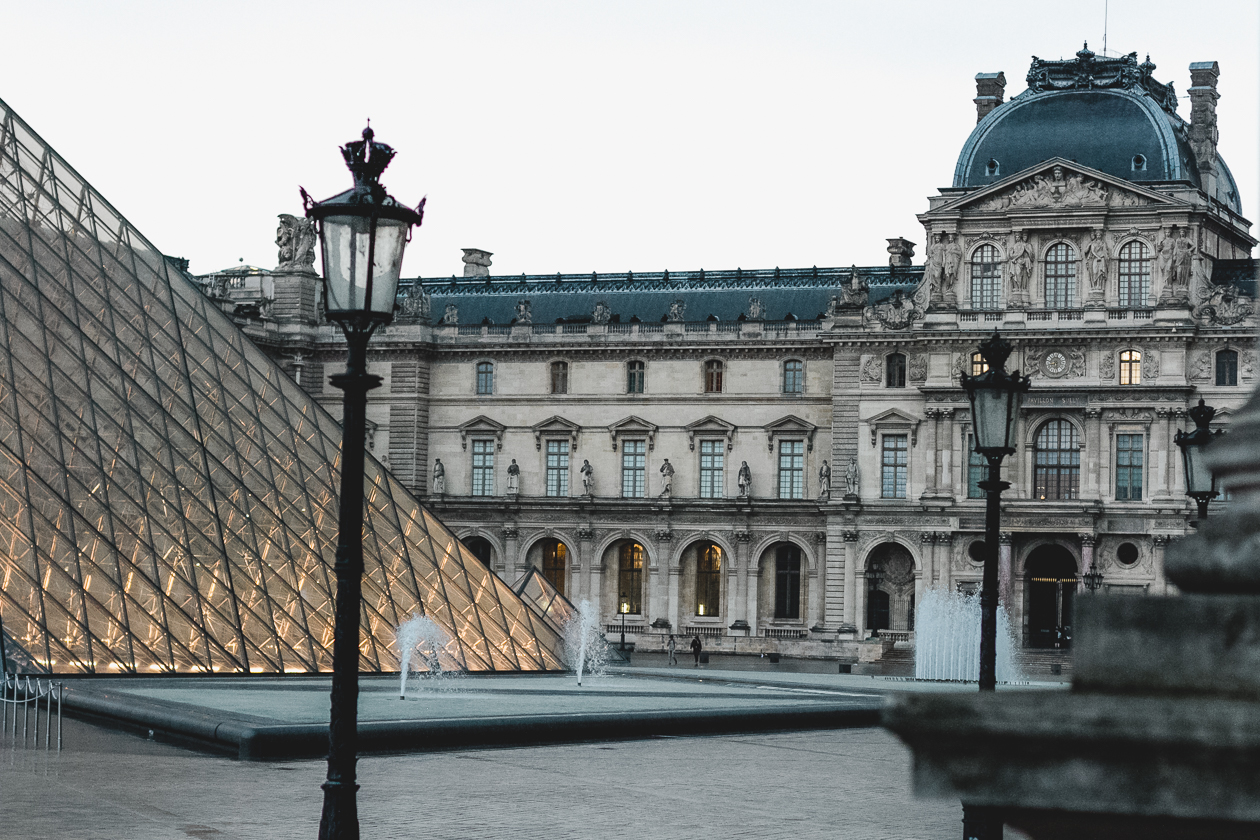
(900, 252)
(476, 262)
(1203, 133)
(990, 87)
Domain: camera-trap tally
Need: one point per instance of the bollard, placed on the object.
(59, 690)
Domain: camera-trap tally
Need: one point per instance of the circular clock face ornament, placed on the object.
(1056, 363)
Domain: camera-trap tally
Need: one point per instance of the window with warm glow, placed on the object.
(1057, 469)
(1131, 367)
(630, 578)
(555, 563)
(708, 580)
(978, 364)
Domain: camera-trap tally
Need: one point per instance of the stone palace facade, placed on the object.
(779, 460)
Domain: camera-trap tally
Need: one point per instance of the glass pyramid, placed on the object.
(167, 493)
(534, 589)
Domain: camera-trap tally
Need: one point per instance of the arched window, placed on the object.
(793, 376)
(1131, 367)
(1057, 472)
(978, 364)
(986, 278)
(485, 377)
(1060, 276)
(555, 557)
(787, 581)
(895, 370)
(713, 370)
(1135, 274)
(630, 578)
(559, 377)
(636, 377)
(709, 580)
(993, 169)
(1227, 367)
(480, 547)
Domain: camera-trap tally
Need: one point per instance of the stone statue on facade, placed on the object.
(1021, 260)
(524, 312)
(513, 479)
(851, 478)
(824, 482)
(295, 237)
(952, 257)
(439, 477)
(588, 478)
(601, 314)
(416, 305)
(1184, 251)
(1097, 255)
(678, 310)
(1162, 265)
(451, 316)
(934, 267)
(744, 479)
(667, 479)
(756, 310)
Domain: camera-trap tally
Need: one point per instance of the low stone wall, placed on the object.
(845, 650)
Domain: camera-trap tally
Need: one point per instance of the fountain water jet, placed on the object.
(947, 639)
(584, 644)
(423, 638)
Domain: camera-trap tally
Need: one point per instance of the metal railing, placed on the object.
(22, 691)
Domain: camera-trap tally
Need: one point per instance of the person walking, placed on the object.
(673, 660)
(695, 649)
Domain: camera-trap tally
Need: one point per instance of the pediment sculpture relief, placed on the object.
(1060, 188)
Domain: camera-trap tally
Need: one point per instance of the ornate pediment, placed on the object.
(633, 427)
(791, 426)
(710, 427)
(556, 427)
(1058, 183)
(894, 420)
(481, 426)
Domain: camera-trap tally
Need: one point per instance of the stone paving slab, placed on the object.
(851, 784)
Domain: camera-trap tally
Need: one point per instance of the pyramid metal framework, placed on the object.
(167, 493)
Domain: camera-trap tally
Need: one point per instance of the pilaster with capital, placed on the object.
(1093, 452)
(850, 539)
(931, 428)
(945, 434)
(1161, 443)
(1004, 570)
(743, 608)
(591, 577)
(1087, 558)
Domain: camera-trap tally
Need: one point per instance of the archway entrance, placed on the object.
(890, 592)
(1052, 583)
(555, 563)
(480, 547)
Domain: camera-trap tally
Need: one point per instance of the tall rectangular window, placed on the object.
(485, 377)
(709, 580)
(893, 466)
(712, 460)
(1129, 468)
(559, 377)
(1227, 367)
(630, 578)
(636, 375)
(787, 582)
(483, 468)
(557, 468)
(793, 376)
(713, 370)
(986, 278)
(1060, 276)
(1134, 274)
(791, 469)
(633, 469)
(976, 468)
(895, 370)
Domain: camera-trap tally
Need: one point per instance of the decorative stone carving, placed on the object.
(1248, 366)
(513, 479)
(820, 537)
(601, 314)
(588, 478)
(1201, 366)
(667, 479)
(476, 262)
(663, 535)
(584, 533)
(900, 252)
(1222, 305)
(524, 312)
(1107, 365)
(451, 316)
(917, 368)
(1150, 364)
(850, 536)
(439, 477)
(1057, 189)
(953, 258)
(824, 482)
(1056, 363)
(744, 479)
(295, 237)
(743, 536)
(677, 310)
(897, 311)
(871, 371)
(934, 267)
(853, 294)
(960, 366)
(1020, 259)
(1097, 257)
(511, 533)
(852, 480)
(1087, 70)
(416, 306)
(756, 309)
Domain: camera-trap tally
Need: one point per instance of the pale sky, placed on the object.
(571, 136)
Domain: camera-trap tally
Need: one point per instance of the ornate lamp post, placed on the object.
(994, 396)
(1093, 578)
(362, 232)
(625, 608)
(1200, 482)
(874, 575)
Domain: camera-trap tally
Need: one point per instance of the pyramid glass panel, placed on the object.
(167, 495)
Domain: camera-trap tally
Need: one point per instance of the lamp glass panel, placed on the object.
(989, 407)
(1198, 476)
(346, 245)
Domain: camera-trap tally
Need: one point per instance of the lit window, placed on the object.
(791, 469)
(1057, 471)
(893, 466)
(1131, 367)
(978, 364)
(1135, 274)
(986, 278)
(555, 556)
(976, 468)
(895, 370)
(712, 458)
(557, 468)
(787, 581)
(630, 577)
(635, 377)
(713, 376)
(483, 468)
(708, 580)
(1060, 276)
(559, 377)
(1129, 468)
(485, 377)
(633, 469)
(1227, 367)
(793, 376)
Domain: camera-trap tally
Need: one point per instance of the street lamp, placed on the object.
(1093, 578)
(1200, 482)
(994, 396)
(873, 577)
(362, 232)
(625, 608)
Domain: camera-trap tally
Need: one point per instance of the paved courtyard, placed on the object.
(835, 784)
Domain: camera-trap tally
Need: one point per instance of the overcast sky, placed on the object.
(571, 136)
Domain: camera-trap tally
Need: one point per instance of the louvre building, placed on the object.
(780, 460)
(168, 492)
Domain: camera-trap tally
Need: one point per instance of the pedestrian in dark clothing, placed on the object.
(673, 660)
(695, 650)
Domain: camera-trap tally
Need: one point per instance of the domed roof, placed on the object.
(1106, 113)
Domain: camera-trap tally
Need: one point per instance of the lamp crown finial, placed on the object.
(995, 351)
(366, 159)
(1202, 414)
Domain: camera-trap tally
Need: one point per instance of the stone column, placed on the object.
(1162, 446)
(1171, 452)
(833, 578)
(945, 554)
(511, 546)
(929, 446)
(814, 578)
(927, 543)
(595, 578)
(1004, 568)
(753, 618)
(742, 608)
(1160, 585)
(1090, 483)
(850, 577)
(584, 569)
(1087, 559)
(945, 444)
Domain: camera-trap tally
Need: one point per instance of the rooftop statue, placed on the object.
(296, 240)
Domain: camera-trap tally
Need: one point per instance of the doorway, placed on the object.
(1052, 584)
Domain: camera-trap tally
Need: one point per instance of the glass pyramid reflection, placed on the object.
(167, 493)
(541, 594)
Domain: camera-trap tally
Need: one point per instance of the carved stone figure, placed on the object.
(295, 237)
(1222, 305)
(851, 478)
(601, 314)
(744, 479)
(513, 479)
(524, 314)
(678, 310)
(1150, 364)
(1248, 366)
(1057, 188)
(856, 291)
(588, 478)
(1107, 365)
(439, 477)
(416, 305)
(756, 309)
(953, 258)
(1162, 266)
(1097, 255)
(917, 368)
(1201, 368)
(896, 312)
(1183, 257)
(871, 372)
(667, 478)
(934, 267)
(1021, 260)
(451, 316)
(824, 482)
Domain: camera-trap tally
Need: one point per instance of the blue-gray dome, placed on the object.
(1105, 113)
